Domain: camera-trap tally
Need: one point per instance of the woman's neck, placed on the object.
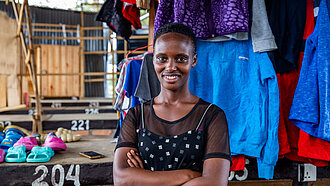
(174, 97)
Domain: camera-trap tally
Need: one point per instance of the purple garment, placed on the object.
(207, 18)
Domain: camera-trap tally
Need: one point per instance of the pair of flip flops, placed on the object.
(12, 135)
(51, 141)
(38, 154)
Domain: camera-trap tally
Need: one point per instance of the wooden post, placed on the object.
(82, 55)
(37, 117)
(152, 15)
(20, 20)
(29, 60)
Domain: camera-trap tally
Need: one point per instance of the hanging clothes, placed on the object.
(310, 112)
(262, 36)
(294, 143)
(242, 83)
(206, 21)
(287, 21)
(111, 14)
(132, 13)
(148, 86)
(131, 81)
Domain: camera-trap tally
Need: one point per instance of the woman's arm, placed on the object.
(126, 175)
(215, 172)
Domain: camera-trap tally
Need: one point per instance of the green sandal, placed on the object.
(40, 154)
(16, 154)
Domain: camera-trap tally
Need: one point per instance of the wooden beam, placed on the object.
(18, 107)
(97, 80)
(20, 19)
(152, 14)
(37, 117)
(82, 56)
(7, 2)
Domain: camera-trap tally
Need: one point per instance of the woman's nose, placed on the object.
(170, 66)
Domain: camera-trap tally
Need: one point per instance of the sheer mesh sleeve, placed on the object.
(217, 136)
(128, 135)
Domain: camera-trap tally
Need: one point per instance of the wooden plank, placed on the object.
(152, 14)
(60, 117)
(50, 69)
(3, 91)
(18, 107)
(320, 182)
(261, 183)
(75, 69)
(44, 68)
(56, 65)
(63, 58)
(69, 67)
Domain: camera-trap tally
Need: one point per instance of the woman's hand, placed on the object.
(134, 159)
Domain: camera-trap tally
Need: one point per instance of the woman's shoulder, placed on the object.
(211, 106)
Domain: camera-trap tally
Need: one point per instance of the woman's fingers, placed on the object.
(130, 163)
(133, 160)
(137, 158)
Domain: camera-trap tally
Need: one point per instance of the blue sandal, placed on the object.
(12, 135)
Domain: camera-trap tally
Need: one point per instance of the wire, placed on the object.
(137, 49)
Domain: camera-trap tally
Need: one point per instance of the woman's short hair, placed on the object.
(176, 28)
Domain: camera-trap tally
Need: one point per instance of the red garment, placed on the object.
(294, 143)
(238, 162)
(132, 13)
(129, 1)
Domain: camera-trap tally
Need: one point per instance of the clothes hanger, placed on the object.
(136, 50)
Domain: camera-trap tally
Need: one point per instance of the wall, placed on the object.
(10, 57)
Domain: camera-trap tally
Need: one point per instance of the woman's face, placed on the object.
(173, 58)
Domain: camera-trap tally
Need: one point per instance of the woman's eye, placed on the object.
(161, 59)
(181, 59)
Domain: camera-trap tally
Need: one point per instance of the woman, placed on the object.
(176, 138)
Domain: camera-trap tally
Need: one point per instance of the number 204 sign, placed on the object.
(58, 175)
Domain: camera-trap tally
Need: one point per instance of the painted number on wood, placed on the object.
(80, 124)
(56, 105)
(31, 112)
(5, 123)
(92, 111)
(94, 104)
(57, 169)
(240, 177)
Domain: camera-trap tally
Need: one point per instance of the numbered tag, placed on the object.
(5, 123)
(56, 105)
(80, 125)
(57, 170)
(94, 104)
(92, 111)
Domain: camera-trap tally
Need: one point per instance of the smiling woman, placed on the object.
(176, 138)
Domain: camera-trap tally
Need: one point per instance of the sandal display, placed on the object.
(12, 135)
(16, 154)
(28, 141)
(40, 154)
(54, 142)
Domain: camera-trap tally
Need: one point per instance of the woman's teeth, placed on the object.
(170, 77)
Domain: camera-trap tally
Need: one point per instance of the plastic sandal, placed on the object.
(28, 141)
(23, 130)
(2, 155)
(2, 136)
(40, 154)
(54, 142)
(12, 135)
(16, 154)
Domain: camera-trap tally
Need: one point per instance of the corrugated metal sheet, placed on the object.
(93, 63)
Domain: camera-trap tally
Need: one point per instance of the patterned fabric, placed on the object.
(206, 21)
(183, 151)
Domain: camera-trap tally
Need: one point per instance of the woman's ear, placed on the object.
(194, 61)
